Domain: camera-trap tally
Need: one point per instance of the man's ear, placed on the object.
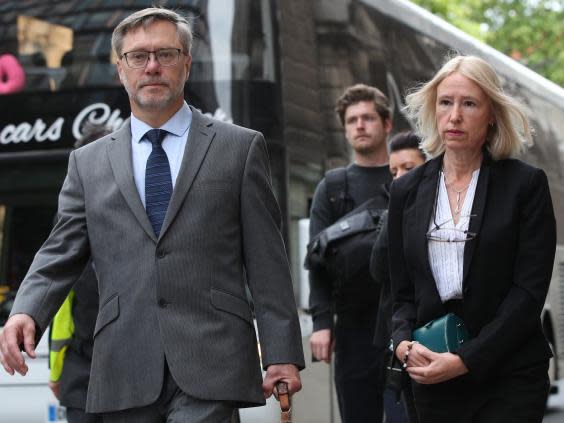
(388, 125)
(119, 68)
(188, 65)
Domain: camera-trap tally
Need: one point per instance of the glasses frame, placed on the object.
(437, 226)
(156, 54)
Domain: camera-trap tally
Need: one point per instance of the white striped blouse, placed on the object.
(447, 258)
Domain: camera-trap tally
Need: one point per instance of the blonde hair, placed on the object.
(507, 137)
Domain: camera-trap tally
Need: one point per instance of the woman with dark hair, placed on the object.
(472, 232)
(405, 155)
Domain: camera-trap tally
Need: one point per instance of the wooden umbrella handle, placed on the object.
(284, 398)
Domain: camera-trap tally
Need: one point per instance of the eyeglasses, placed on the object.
(165, 56)
(441, 234)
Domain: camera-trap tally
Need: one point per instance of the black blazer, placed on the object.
(507, 267)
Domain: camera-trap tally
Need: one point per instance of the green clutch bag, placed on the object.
(445, 334)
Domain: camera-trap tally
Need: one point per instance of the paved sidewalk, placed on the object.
(555, 411)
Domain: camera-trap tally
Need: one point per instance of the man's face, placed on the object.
(154, 87)
(365, 130)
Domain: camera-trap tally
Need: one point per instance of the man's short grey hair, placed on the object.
(146, 17)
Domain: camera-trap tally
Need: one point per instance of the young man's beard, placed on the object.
(366, 149)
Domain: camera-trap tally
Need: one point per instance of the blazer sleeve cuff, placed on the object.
(322, 321)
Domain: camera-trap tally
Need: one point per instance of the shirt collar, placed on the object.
(177, 125)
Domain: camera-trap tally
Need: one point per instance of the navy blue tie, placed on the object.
(158, 181)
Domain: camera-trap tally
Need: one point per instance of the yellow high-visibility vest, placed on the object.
(62, 330)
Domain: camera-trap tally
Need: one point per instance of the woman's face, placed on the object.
(402, 161)
(463, 113)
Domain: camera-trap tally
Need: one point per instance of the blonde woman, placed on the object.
(472, 232)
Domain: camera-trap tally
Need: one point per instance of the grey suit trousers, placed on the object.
(174, 406)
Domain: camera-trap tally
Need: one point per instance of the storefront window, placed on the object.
(24, 229)
(57, 64)
(59, 73)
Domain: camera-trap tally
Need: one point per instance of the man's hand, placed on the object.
(55, 388)
(428, 367)
(275, 373)
(18, 330)
(321, 342)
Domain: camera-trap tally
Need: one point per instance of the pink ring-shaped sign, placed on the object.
(12, 75)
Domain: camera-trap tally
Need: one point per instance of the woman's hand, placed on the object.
(414, 358)
(427, 367)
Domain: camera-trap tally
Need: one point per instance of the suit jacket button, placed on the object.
(162, 303)
(161, 253)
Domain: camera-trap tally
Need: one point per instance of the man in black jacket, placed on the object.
(366, 116)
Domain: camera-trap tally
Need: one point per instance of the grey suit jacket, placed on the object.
(181, 296)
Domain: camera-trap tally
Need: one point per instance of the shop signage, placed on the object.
(40, 131)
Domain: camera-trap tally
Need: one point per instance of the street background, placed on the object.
(555, 411)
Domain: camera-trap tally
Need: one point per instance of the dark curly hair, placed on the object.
(362, 92)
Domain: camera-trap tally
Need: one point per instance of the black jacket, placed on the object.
(380, 272)
(507, 267)
(364, 183)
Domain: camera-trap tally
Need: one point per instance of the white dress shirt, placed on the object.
(174, 144)
(447, 258)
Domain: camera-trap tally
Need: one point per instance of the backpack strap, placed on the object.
(337, 192)
(386, 190)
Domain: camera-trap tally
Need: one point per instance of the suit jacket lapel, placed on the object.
(425, 201)
(477, 214)
(119, 153)
(199, 140)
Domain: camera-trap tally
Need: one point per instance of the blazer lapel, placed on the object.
(199, 140)
(425, 201)
(477, 213)
(119, 153)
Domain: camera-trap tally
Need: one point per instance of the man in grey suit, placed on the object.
(177, 213)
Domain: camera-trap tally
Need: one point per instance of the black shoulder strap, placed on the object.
(386, 190)
(337, 192)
